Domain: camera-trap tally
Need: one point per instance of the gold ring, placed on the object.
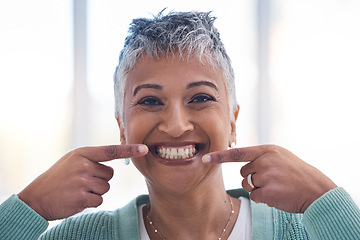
(249, 180)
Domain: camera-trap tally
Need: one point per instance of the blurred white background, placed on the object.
(296, 65)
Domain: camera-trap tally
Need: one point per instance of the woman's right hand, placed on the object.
(77, 181)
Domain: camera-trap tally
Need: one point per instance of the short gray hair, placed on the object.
(185, 33)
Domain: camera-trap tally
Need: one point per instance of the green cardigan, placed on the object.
(332, 216)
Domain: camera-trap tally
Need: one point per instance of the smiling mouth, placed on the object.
(177, 155)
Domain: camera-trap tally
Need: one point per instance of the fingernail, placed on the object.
(142, 149)
(206, 159)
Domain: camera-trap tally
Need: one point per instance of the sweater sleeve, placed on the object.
(98, 225)
(333, 216)
(19, 221)
(288, 226)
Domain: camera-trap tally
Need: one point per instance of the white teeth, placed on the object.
(181, 153)
(176, 153)
(173, 153)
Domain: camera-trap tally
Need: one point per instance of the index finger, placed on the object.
(111, 152)
(246, 154)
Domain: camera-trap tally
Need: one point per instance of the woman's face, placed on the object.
(179, 109)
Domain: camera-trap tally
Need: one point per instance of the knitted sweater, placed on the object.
(332, 216)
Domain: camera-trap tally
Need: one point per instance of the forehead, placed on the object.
(173, 70)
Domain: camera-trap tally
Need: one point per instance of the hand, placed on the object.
(77, 181)
(281, 179)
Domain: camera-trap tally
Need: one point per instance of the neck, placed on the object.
(199, 213)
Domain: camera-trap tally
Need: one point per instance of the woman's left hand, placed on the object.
(280, 179)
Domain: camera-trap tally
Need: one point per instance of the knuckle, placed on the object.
(275, 149)
(260, 197)
(77, 161)
(129, 150)
(107, 187)
(218, 157)
(111, 151)
(82, 199)
(242, 172)
(255, 196)
(82, 182)
(78, 152)
(110, 172)
(99, 200)
(244, 184)
(245, 170)
(262, 162)
(237, 154)
(82, 166)
(75, 152)
(85, 164)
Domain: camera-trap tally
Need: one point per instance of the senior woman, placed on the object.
(176, 110)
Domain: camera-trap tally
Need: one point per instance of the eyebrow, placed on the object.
(190, 85)
(200, 83)
(154, 86)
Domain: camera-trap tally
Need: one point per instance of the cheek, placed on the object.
(217, 127)
(135, 131)
(220, 138)
(137, 126)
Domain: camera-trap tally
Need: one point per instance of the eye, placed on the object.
(150, 101)
(201, 98)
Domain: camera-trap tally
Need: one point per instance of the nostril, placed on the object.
(176, 121)
(176, 129)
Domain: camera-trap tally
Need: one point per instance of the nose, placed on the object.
(176, 121)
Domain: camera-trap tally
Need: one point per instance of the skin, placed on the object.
(170, 102)
(173, 102)
(282, 180)
(76, 182)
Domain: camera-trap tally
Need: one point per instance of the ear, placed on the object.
(233, 119)
(122, 131)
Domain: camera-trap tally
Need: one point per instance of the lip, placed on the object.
(179, 161)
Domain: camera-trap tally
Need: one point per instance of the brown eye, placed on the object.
(201, 98)
(150, 101)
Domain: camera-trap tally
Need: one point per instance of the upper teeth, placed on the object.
(176, 153)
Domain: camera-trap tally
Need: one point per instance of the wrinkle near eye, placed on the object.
(133, 103)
